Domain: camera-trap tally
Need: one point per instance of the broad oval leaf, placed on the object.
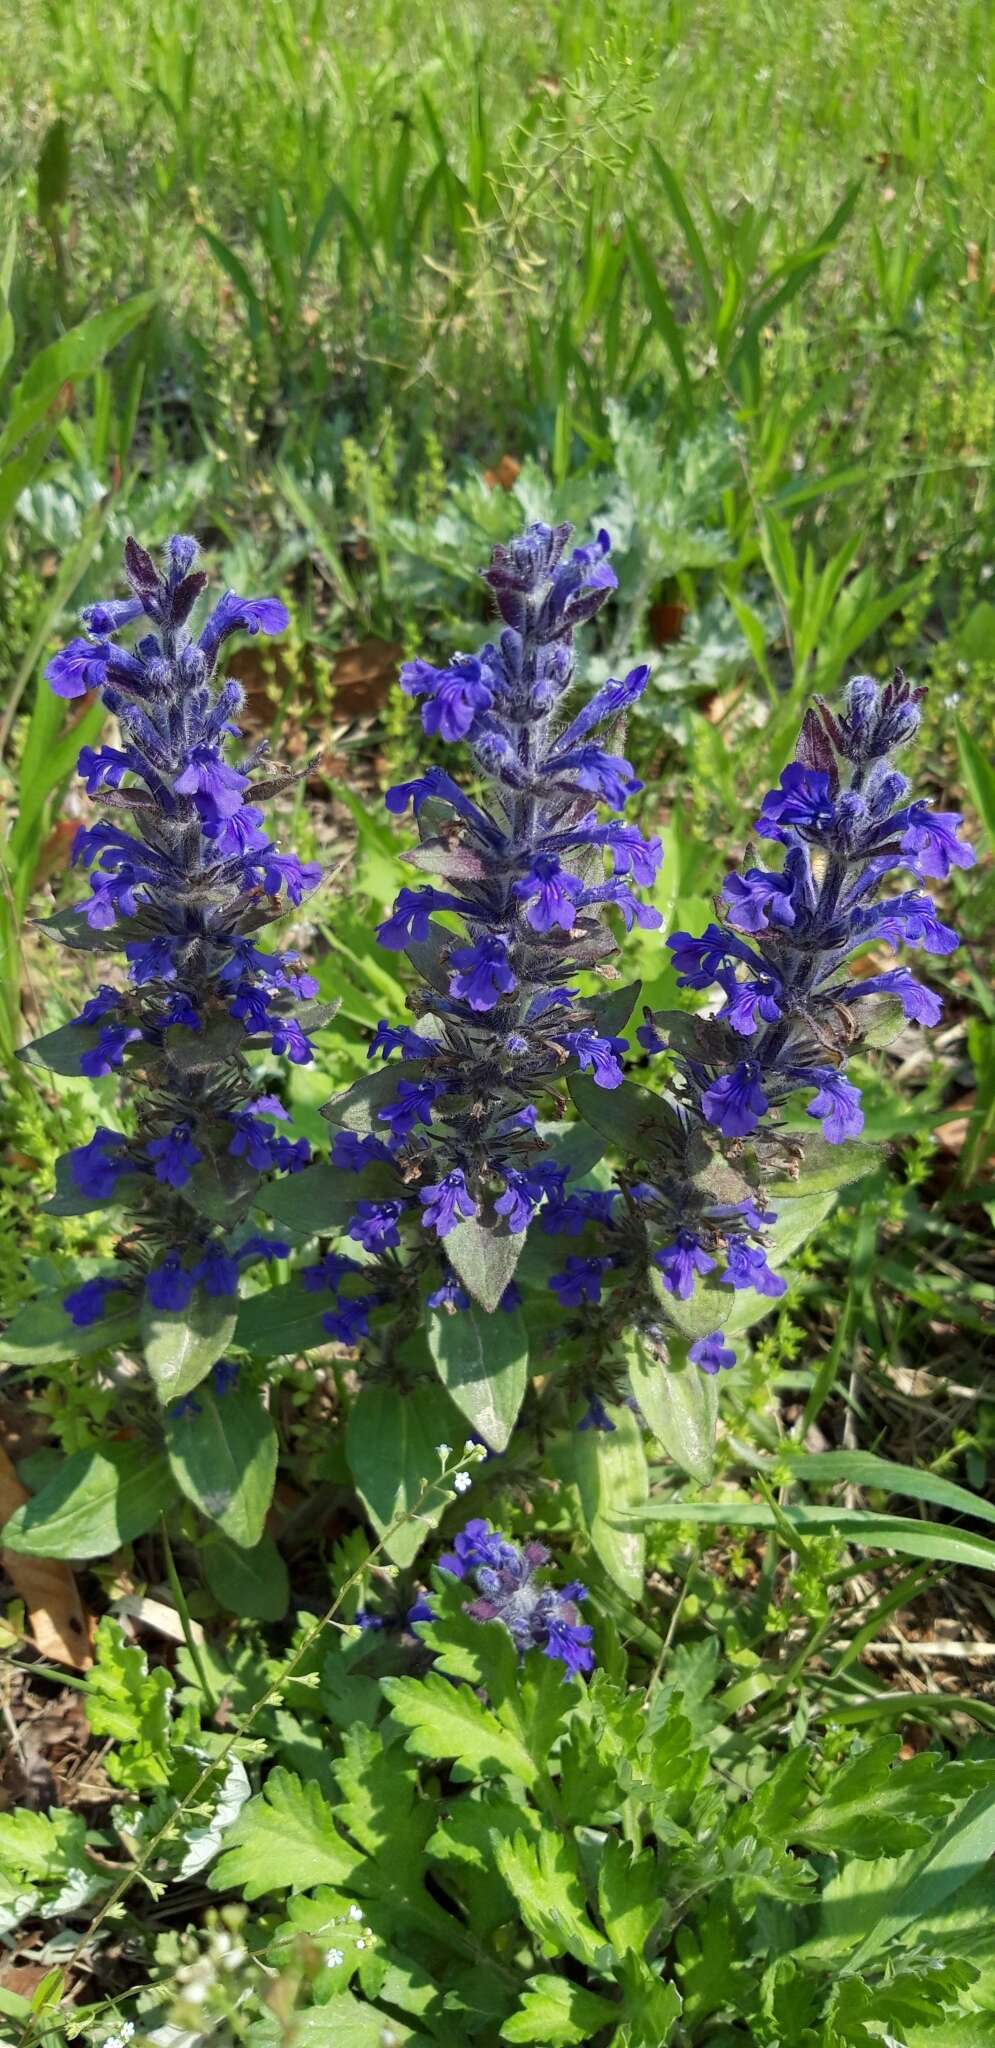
(484, 1260)
(282, 1321)
(391, 1447)
(99, 1499)
(223, 1457)
(680, 1404)
(609, 1469)
(483, 1362)
(249, 1582)
(181, 1345)
(42, 1333)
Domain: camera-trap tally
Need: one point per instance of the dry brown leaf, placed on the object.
(59, 1622)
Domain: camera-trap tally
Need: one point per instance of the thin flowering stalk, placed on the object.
(688, 1227)
(182, 880)
(449, 1139)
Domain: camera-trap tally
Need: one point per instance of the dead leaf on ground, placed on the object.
(504, 473)
(60, 1625)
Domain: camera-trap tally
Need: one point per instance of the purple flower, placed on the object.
(329, 1270)
(837, 1102)
(208, 778)
(409, 920)
(97, 1167)
(596, 1416)
(411, 1105)
(217, 1272)
(801, 804)
(680, 1262)
(169, 1286)
(931, 842)
(746, 1266)
(477, 1544)
(288, 1040)
(175, 1156)
(285, 871)
(605, 776)
(483, 973)
(241, 615)
(80, 667)
(711, 1355)
(449, 1295)
(580, 1281)
(757, 900)
(454, 697)
(350, 1320)
(596, 1055)
(108, 1052)
(389, 1038)
(352, 1153)
(748, 1003)
(86, 1304)
(99, 1006)
(736, 1102)
(569, 1643)
(921, 1005)
(374, 1225)
(551, 894)
(446, 1202)
(151, 960)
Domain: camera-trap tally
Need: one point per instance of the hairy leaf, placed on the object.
(284, 1840)
(483, 1362)
(99, 1499)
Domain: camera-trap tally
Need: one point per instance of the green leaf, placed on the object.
(222, 1189)
(797, 1218)
(483, 1362)
(96, 1501)
(284, 1840)
(281, 1322)
(224, 1459)
(43, 1847)
(130, 1703)
(558, 2013)
(66, 361)
(60, 1051)
(822, 1166)
(543, 1877)
(876, 1532)
(181, 1345)
(42, 1333)
(680, 1404)
(484, 1260)
(342, 2022)
(321, 1198)
(53, 167)
(630, 1895)
(448, 1721)
(864, 1468)
(632, 1119)
(979, 776)
(609, 1470)
(391, 1447)
(250, 1582)
(964, 1847)
(357, 1108)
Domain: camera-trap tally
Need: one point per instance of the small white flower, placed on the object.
(360, 1944)
(127, 2030)
(443, 1451)
(462, 1481)
(355, 1912)
(333, 1957)
(471, 1447)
